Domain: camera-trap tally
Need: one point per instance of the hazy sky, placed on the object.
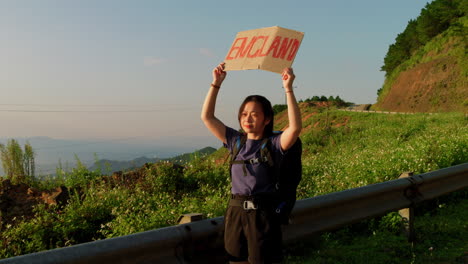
(112, 69)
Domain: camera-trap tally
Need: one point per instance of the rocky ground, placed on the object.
(18, 200)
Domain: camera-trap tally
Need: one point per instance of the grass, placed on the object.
(341, 150)
(440, 238)
(374, 148)
(449, 43)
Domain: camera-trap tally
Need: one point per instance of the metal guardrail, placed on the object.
(202, 241)
(334, 210)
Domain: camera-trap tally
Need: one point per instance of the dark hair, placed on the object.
(267, 111)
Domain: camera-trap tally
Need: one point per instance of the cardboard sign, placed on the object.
(270, 49)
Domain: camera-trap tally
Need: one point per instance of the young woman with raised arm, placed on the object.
(252, 230)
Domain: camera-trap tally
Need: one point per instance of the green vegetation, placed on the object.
(278, 108)
(331, 101)
(107, 167)
(341, 150)
(440, 238)
(437, 36)
(373, 148)
(434, 19)
(336, 100)
(447, 44)
(187, 157)
(18, 164)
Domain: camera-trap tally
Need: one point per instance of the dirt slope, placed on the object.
(434, 79)
(428, 87)
(18, 200)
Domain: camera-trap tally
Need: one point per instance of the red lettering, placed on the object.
(279, 48)
(284, 48)
(259, 50)
(235, 47)
(274, 46)
(293, 51)
(261, 54)
(249, 48)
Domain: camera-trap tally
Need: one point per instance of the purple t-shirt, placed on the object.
(260, 177)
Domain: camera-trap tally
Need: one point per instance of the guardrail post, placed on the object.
(407, 215)
(189, 218)
(202, 241)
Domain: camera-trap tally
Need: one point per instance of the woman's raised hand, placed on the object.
(288, 78)
(219, 74)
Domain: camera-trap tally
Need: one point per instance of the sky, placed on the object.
(119, 70)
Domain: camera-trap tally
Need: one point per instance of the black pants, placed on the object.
(253, 235)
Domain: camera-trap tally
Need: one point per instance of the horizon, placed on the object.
(137, 71)
(52, 152)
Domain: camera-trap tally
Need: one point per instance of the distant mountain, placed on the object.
(50, 151)
(109, 166)
(187, 157)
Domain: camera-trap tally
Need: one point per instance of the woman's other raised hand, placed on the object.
(219, 74)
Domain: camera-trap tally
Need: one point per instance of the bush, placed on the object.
(363, 149)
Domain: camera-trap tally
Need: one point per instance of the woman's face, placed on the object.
(252, 119)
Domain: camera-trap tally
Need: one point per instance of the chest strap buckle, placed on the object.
(249, 205)
(254, 161)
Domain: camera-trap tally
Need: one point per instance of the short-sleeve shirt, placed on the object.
(259, 177)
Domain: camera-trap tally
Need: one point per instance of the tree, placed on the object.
(17, 164)
(435, 18)
(28, 160)
(339, 101)
(279, 108)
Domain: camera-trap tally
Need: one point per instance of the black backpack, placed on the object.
(288, 173)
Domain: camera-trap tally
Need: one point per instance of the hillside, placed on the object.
(109, 166)
(106, 166)
(341, 150)
(188, 157)
(434, 78)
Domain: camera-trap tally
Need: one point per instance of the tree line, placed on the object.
(434, 19)
(18, 164)
(334, 100)
(323, 98)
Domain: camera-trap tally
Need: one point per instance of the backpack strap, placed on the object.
(240, 142)
(276, 171)
(265, 154)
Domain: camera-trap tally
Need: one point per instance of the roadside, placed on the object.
(441, 237)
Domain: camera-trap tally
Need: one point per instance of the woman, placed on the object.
(252, 231)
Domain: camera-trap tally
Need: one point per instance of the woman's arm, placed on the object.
(216, 127)
(290, 134)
